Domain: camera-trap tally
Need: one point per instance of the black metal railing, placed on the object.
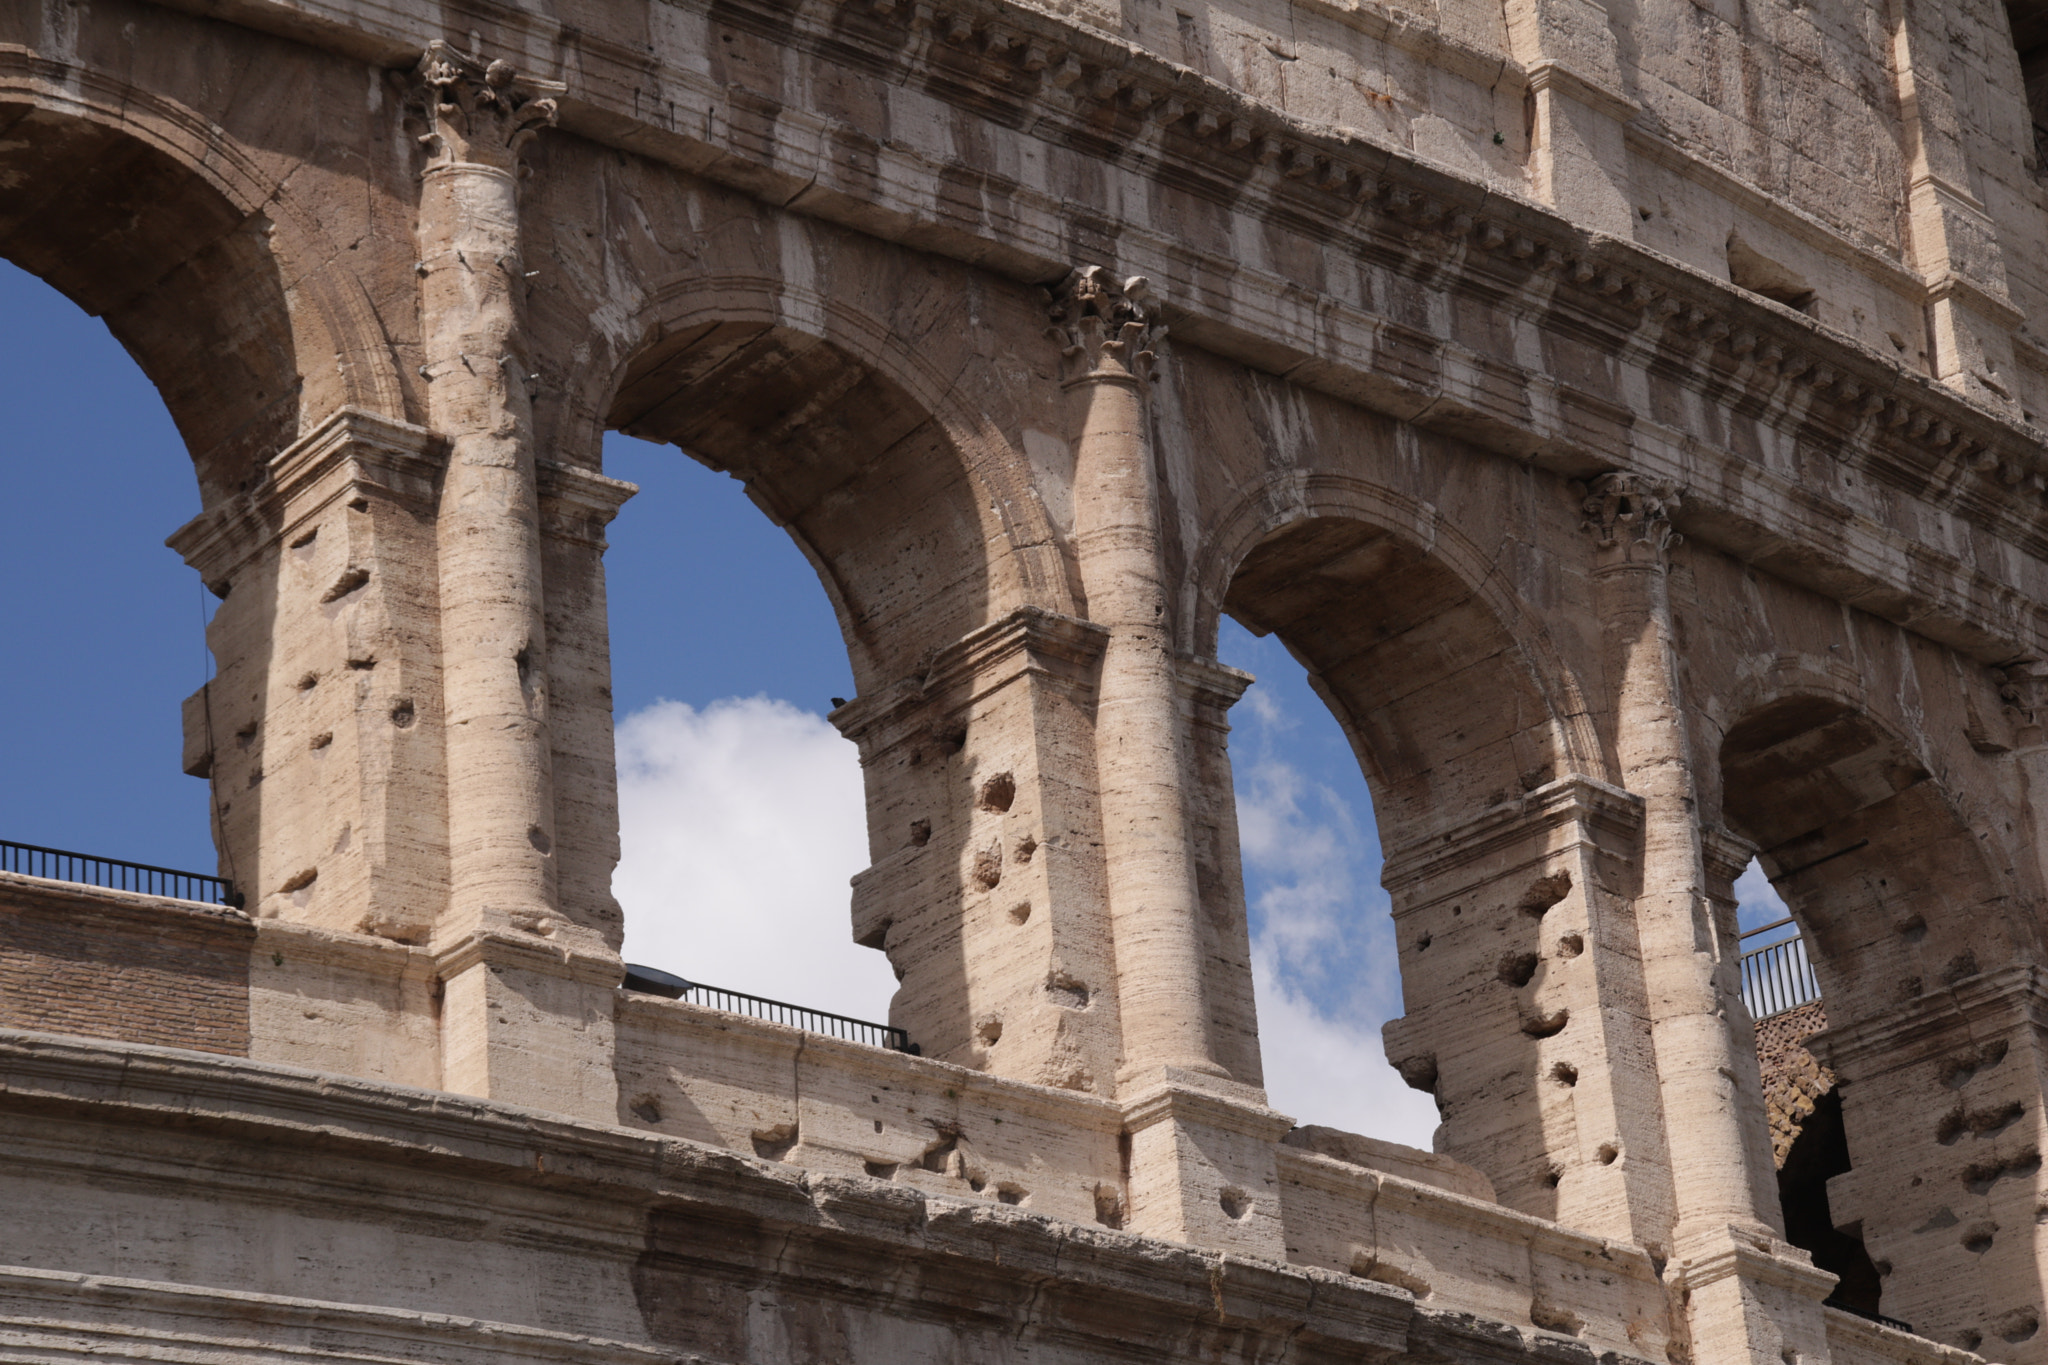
(1868, 1315)
(650, 981)
(60, 865)
(1777, 976)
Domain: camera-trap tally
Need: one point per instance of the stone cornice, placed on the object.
(1930, 1025)
(369, 452)
(427, 1136)
(1573, 799)
(1027, 640)
(576, 504)
(1073, 88)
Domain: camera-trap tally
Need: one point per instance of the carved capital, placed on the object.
(1630, 518)
(478, 114)
(1105, 330)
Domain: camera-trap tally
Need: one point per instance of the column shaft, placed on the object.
(1154, 902)
(500, 800)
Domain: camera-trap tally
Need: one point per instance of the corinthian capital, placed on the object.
(1630, 518)
(480, 115)
(1105, 329)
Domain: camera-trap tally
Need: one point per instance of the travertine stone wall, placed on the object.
(1626, 412)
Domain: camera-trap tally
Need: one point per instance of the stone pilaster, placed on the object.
(1525, 1014)
(575, 507)
(1951, 237)
(1750, 1295)
(1578, 158)
(322, 735)
(1948, 1201)
(985, 888)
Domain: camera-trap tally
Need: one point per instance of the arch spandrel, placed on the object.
(229, 288)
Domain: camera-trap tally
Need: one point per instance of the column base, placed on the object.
(1750, 1298)
(1201, 1165)
(529, 1024)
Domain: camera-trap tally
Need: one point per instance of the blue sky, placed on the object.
(740, 807)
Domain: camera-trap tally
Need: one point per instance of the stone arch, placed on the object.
(1867, 847)
(1361, 532)
(846, 398)
(1919, 942)
(222, 286)
(1487, 785)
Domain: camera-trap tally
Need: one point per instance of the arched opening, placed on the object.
(185, 282)
(741, 816)
(1894, 902)
(104, 623)
(183, 279)
(1446, 718)
(874, 493)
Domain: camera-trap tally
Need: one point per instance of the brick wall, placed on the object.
(1793, 1079)
(109, 964)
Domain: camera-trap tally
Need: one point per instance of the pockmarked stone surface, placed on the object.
(1631, 415)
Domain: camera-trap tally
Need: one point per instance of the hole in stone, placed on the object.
(358, 504)
(1546, 1025)
(990, 1031)
(646, 1108)
(1750, 269)
(538, 837)
(1066, 991)
(773, 1144)
(1608, 1153)
(2019, 1325)
(1517, 968)
(1422, 944)
(1109, 1206)
(1913, 930)
(920, 833)
(998, 792)
(351, 579)
(1236, 1203)
(1978, 1238)
(1970, 1339)
(309, 681)
(299, 881)
(1457, 910)
(362, 664)
(322, 740)
(953, 741)
(988, 866)
(1027, 847)
(402, 714)
(246, 736)
(1564, 1073)
(1545, 892)
(1367, 1266)
(880, 1170)
(1020, 912)
(1012, 1194)
(1571, 945)
(307, 539)
(1552, 1318)
(1552, 1178)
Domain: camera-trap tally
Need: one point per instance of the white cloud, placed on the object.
(1328, 1069)
(1758, 901)
(740, 825)
(1323, 961)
